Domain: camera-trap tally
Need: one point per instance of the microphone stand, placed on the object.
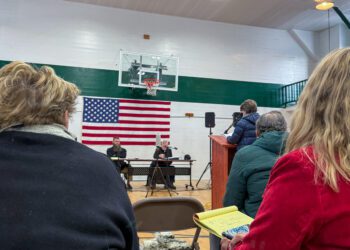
(226, 131)
(208, 166)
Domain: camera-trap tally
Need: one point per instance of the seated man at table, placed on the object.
(117, 151)
(162, 152)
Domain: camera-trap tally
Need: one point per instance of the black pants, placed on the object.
(121, 165)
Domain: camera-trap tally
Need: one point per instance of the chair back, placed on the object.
(166, 213)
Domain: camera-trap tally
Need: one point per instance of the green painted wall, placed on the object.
(100, 82)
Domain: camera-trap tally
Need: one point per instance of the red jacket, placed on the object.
(297, 213)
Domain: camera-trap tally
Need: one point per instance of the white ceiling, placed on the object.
(279, 14)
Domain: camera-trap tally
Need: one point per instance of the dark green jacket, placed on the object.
(250, 172)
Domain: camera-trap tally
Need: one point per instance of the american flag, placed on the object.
(136, 122)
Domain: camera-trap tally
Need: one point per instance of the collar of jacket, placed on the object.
(52, 129)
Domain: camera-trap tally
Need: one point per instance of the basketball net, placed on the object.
(151, 85)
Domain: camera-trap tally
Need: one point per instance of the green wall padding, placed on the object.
(101, 82)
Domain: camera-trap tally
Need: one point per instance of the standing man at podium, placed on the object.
(117, 151)
(244, 133)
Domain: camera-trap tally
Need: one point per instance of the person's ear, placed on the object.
(66, 119)
(257, 133)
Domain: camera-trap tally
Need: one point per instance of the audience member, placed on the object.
(162, 152)
(251, 166)
(306, 203)
(244, 132)
(56, 192)
(117, 151)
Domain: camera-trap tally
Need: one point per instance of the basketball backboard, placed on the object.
(135, 69)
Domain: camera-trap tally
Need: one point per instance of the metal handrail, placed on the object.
(290, 93)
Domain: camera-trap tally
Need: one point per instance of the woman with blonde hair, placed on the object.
(306, 203)
(55, 192)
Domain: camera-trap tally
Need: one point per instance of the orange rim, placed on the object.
(150, 83)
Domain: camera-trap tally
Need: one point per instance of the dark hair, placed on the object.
(249, 106)
(116, 137)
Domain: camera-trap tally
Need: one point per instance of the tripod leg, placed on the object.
(205, 170)
(164, 181)
(151, 180)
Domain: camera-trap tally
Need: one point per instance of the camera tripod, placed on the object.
(208, 166)
(157, 170)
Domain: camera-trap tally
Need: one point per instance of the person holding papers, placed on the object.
(306, 203)
(55, 192)
(251, 167)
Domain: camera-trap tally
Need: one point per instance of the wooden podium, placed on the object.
(222, 155)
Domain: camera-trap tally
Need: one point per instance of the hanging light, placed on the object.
(324, 4)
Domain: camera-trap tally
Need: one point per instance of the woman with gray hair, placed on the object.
(251, 166)
(55, 192)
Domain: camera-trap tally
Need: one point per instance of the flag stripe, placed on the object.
(143, 108)
(143, 102)
(125, 128)
(124, 135)
(143, 122)
(143, 112)
(129, 125)
(143, 115)
(126, 143)
(109, 139)
(111, 132)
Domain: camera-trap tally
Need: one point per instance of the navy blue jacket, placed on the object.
(59, 194)
(244, 133)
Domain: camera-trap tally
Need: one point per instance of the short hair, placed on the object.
(249, 106)
(271, 121)
(116, 137)
(164, 140)
(31, 96)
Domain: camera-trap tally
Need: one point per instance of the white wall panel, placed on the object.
(66, 33)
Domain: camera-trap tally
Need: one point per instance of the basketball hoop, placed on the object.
(151, 85)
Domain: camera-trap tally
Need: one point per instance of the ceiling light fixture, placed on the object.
(324, 4)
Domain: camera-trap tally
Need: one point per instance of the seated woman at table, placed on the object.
(162, 152)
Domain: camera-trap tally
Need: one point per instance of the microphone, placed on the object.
(226, 131)
(172, 147)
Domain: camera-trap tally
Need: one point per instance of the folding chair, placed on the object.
(168, 214)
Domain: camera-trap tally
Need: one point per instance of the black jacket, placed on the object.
(167, 152)
(58, 194)
(121, 153)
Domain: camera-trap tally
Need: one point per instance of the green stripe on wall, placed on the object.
(101, 82)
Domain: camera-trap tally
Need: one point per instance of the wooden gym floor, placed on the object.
(202, 193)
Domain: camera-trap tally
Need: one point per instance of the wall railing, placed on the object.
(290, 93)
